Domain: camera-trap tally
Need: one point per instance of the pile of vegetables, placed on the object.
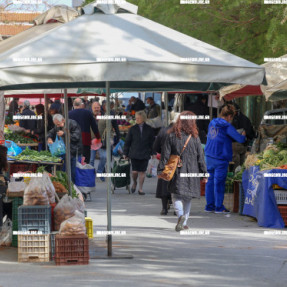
(238, 175)
(33, 155)
(19, 138)
(62, 178)
(60, 182)
(273, 156)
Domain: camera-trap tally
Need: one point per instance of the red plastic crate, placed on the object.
(202, 188)
(72, 250)
(22, 167)
(283, 212)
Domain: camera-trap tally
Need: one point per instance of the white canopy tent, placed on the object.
(112, 47)
(101, 46)
(276, 75)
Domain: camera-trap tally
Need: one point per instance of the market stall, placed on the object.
(264, 182)
(78, 64)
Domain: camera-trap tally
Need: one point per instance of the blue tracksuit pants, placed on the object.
(215, 187)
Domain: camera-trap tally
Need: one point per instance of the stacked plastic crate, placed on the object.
(36, 222)
(73, 249)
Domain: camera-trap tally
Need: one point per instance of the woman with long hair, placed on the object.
(185, 183)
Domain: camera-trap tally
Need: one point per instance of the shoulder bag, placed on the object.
(174, 161)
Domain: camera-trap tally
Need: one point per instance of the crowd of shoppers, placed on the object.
(226, 138)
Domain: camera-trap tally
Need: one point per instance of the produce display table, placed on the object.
(53, 164)
(260, 201)
(29, 144)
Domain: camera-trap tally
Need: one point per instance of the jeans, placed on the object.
(73, 167)
(103, 159)
(181, 206)
(215, 186)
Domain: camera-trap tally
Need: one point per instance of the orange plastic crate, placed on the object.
(71, 250)
(283, 212)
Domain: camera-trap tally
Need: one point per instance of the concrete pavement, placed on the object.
(235, 253)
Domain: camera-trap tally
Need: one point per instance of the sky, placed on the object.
(32, 6)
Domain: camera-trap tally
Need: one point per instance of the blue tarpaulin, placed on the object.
(260, 200)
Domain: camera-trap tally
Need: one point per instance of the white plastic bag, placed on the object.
(16, 186)
(74, 225)
(65, 209)
(152, 168)
(6, 233)
(50, 189)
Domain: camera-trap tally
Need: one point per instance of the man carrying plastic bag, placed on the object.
(75, 139)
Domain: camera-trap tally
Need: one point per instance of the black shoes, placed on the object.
(163, 212)
(141, 193)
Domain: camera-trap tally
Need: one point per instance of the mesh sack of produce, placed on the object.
(64, 210)
(75, 225)
(35, 193)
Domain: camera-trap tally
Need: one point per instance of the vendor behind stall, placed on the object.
(40, 127)
(28, 124)
(240, 121)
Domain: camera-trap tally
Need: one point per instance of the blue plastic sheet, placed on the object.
(13, 149)
(260, 201)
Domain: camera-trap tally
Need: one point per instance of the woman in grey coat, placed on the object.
(186, 181)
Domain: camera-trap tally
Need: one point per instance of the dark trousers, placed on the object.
(87, 153)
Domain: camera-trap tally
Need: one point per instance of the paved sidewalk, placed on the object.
(235, 253)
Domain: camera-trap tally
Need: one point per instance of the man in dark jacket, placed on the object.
(153, 109)
(29, 124)
(137, 104)
(201, 109)
(75, 139)
(87, 122)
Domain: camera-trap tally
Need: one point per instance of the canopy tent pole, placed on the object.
(67, 140)
(2, 115)
(210, 107)
(46, 119)
(108, 170)
(166, 107)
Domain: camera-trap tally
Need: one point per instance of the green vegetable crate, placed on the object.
(17, 201)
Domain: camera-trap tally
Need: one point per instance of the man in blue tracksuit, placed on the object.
(218, 152)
